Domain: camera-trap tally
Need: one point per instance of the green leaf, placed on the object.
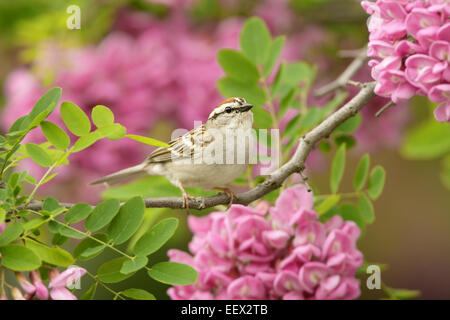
(287, 101)
(89, 248)
(2, 216)
(429, 140)
(238, 67)
(86, 141)
(127, 221)
(55, 135)
(75, 119)
(350, 125)
(45, 105)
(38, 120)
(38, 155)
(102, 116)
(292, 126)
(138, 294)
(324, 146)
(13, 179)
(376, 182)
(102, 214)
(311, 118)
(277, 81)
(328, 203)
(34, 223)
(90, 293)
(292, 75)
(54, 226)
(19, 258)
(10, 233)
(338, 99)
(109, 272)
(337, 169)
(366, 208)
(59, 239)
(255, 40)
(50, 177)
(155, 238)
(71, 233)
(361, 173)
(402, 294)
(254, 94)
(349, 141)
(351, 212)
(113, 131)
(262, 118)
(274, 52)
(30, 179)
(133, 265)
(78, 212)
(18, 126)
(55, 256)
(50, 204)
(298, 72)
(173, 273)
(149, 141)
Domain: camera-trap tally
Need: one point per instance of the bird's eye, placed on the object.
(227, 109)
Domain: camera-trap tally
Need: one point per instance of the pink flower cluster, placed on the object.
(37, 290)
(280, 252)
(411, 40)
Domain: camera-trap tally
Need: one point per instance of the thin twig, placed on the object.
(276, 179)
(355, 83)
(345, 76)
(384, 108)
(351, 53)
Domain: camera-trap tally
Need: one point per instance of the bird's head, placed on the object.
(232, 113)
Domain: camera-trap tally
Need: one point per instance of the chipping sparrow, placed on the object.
(202, 157)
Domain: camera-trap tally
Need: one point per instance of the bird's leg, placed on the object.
(229, 193)
(186, 197)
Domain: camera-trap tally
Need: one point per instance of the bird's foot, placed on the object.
(186, 198)
(229, 193)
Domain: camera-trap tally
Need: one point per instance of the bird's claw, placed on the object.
(229, 193)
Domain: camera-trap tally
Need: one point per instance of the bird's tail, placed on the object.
(124, 174)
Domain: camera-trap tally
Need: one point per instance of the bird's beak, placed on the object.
(245, 107)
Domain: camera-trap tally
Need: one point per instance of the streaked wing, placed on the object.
(184, 147)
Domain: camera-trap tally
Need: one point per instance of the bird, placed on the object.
(201, 157)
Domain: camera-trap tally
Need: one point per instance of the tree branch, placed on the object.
(295, 165)
(345, 76)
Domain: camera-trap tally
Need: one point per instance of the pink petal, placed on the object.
(403, 92)
(440, 50)
(442, 112)
(444, 32)
(427, 36)
(286, 281)
(311, 274)
(246, 287)
(61, 293)
(67, 277)
(439, 93)
(420, 19)
(380, 49)
(276, 238)
(392, 10)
